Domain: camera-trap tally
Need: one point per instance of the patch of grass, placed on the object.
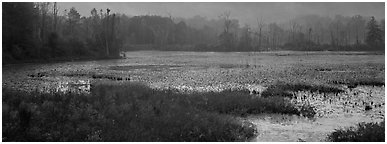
(147, 67)
(284, 90)
(110, 77)
(362, 132)
(125, 112)
(356, 82)
(307, 110)
(242, 103)
(228, 66)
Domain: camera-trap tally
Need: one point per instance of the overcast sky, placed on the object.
(244, 12)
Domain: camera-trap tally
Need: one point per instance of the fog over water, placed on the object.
(246, 13)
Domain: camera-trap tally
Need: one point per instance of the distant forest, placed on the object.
(41, 31)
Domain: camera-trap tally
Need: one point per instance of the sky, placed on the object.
(246, 13)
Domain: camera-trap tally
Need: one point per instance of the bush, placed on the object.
(363, 132)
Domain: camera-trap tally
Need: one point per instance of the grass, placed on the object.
(110, 77)
(362, 132)
(286, 89)
(242, 104)
(128, 112)
(367, 82)
(134, 112)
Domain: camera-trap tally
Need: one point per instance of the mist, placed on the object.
(246, 13)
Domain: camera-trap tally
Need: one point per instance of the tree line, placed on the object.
(37, 31)
(43, 31)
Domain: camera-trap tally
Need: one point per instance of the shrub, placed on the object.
(363, 132)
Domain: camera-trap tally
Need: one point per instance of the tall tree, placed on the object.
(260, 27)
(73, 20)
(358, 23)
(18, 30)
(374, 36)
(55, 13)
(274, 30)
(227, 37)
(383, 29)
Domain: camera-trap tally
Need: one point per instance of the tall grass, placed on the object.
(362, 132)
(242, 104)
(133, 112)
(127, 112)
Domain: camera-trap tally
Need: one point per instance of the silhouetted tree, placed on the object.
(18, 30)
(374, 36)
(260, 27)
(227, 37)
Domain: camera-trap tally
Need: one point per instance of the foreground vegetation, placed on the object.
(132, 112)
(362, 132)
(126, 113)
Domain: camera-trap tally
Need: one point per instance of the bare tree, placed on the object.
(309, 37)
(227, 21)
(260, 26)
(227, 37)
(358, 24)
(107, 29)
(42, 28)
(173, 21)
(43, 11)
(55, 13)
(337, 33)
(293, 29)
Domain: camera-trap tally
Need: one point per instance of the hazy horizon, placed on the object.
(245, 12)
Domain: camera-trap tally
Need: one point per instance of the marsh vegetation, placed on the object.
(196, 96)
